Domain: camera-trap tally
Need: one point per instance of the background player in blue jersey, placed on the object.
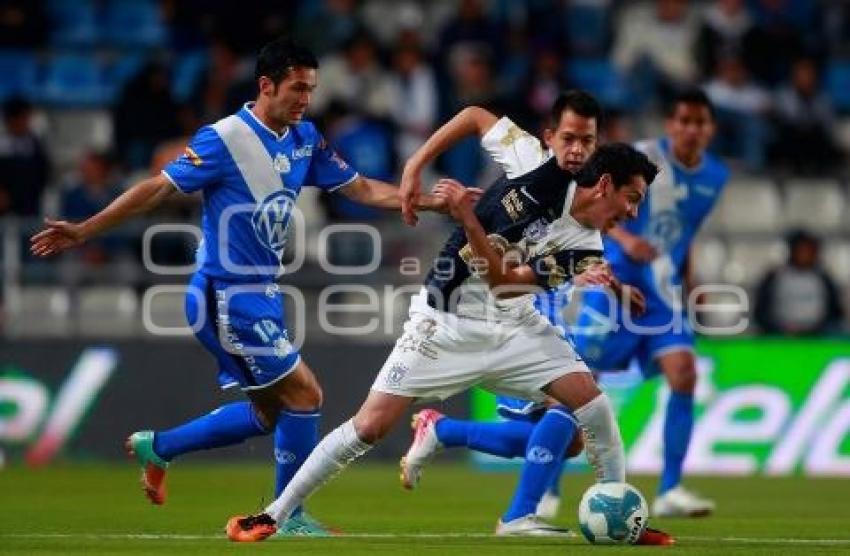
(249, 168)
(652, 253)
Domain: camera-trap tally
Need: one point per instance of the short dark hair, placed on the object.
(620, 160)
(690, 96)
(281, 55)
(578, 101)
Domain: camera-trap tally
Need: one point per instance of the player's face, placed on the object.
(616, 205)
(289, 99)
(690, 128)
(573, 140)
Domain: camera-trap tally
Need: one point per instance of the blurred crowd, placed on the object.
(392, 70)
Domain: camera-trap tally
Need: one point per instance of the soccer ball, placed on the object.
(612, 513)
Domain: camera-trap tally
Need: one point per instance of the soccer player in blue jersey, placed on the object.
(249, 168)
(652, 252)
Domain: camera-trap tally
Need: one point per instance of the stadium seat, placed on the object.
(186, 71)
(121, 70)
(709, 258)
(748, 260)
(814, 204)
(600, 77)
(136, 23)
(749, 205)
(74, 80)
(38, 311)
(835, 257)
(838, 84)
(588, 27)
(73, 23)
(18, 68)
(107, 311)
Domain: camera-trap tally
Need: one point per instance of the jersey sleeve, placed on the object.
(556, 269)
(200, 164)
(516, 150)
(328, 171)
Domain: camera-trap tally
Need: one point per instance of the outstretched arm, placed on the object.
(60, 235)
(472, 120)
(380, 194)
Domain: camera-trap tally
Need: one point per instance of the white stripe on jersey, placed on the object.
(250, 155)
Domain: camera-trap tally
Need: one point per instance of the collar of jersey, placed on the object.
(568, 203)
(668, 153)
(277, 136)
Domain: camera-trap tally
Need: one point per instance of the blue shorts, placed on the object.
(606, 344)
(242, 325)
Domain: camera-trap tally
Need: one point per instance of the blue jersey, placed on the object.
(676, 203)
(250, 177)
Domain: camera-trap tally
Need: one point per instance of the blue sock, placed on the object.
(544, 457)
(229, 424)
(506, 438)
(554, 486)
(295, 436)
(678, 425)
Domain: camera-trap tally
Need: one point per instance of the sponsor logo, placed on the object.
(536, 231)
(284, 457)
(271, 219)
(192, 157)
(302, 152)
(539, 454)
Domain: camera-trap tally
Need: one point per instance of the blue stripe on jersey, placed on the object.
(250, 178)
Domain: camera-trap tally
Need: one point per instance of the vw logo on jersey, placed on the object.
(281, 164)
(665, 229)
(271, 219)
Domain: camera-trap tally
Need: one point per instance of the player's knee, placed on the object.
(682, 378)
(370, 428)
(306, 397)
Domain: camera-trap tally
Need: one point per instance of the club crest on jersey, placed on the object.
(536, 231)
(665, 229)
(271, 219)
(281, 164)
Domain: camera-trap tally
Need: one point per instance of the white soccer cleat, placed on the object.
(680, 502)
(548, 506)
(425, 444)
(530, 526)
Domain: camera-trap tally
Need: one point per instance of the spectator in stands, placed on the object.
(413, 98)
(787, 30)
(727, 29)
(541, 86)
(742, 108)
(325, 27)
(470, 26)
(355, 78)
(799, 298)
(221, 90)
(24, 164)
(23, 24)
(96, 187)
(653, 46)
(144, 115)
(804, 120)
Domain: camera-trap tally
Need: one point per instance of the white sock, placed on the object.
(603, 444)
(330, 456)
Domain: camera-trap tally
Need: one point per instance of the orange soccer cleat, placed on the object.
(140, 446)
(654, 537)
(251, 528)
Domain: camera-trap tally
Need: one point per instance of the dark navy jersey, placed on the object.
(526, 218)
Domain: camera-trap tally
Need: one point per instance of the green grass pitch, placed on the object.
(98, 509)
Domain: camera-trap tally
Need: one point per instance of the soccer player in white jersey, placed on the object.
(541, 433)
(249, 168)
(474, 322)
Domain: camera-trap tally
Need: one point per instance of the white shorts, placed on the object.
(440, 354)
